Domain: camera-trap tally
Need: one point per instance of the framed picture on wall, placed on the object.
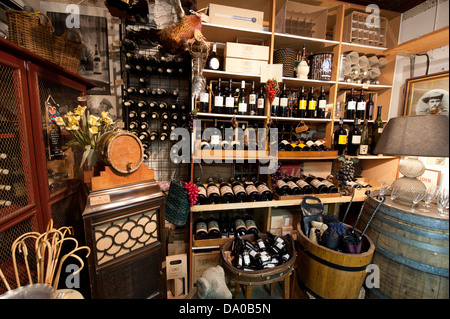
(427, 94)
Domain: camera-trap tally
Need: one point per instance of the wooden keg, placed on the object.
(330, 274)
(121, 150)
(412, 251)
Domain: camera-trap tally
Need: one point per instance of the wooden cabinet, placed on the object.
(37, 187)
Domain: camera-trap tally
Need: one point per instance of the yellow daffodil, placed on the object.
(93, 130)
(59, 121)
(93, 120)
(104, 115)
(73, 127)
(108, 121)
(80, 110)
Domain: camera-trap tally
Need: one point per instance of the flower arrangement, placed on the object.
(85, 128)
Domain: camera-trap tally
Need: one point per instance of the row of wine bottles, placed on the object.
(260, 254)
(359, 107)
(302, 146)
(142, 65)
(224, 226)
(293, 185)
(155, 115)
(154, 92)
(236, 190)
(358, 140)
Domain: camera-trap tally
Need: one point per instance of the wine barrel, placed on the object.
(412, 251)
(330, 274)
(122, 150)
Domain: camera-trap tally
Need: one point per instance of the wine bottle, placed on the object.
(154, 115)
(215, 137)
(238, 190)
(284, 98)
(202, 194)
(250, 224)
(201, 228)
(153, 135)
(350, 106)
(173, 126)
(312, 104)
(133, 125)
(242, 104)
(252, 192)
(378, 126)
(132, 114)
(218, 98)
(322, 104)
(142, 104)
(331, 187)
(229, 99)
(153, 104)
(163, 136)
(226, 192)
(318, 185)
(264, 192)
(239, 225)
(364, 146)
(304, 186)
(204, 101)
(261, 102)
(145, 125)
(163, 106)
(165, 116)
(302, 103)
(340, 138)
(354, 139)
(214, 61)
(213, 227)
(295, 189)
(225, 229)
(292, 104)
(275, 106)
(213, 192)
(97, 61)
(283, 189)
(252, 100)
(361, 106)
(369, 107)
(174, 116)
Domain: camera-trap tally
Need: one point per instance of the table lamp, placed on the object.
(413, 136)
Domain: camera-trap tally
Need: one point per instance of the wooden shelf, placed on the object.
(296, 42)
(298, 119)
(307, 155)
(421, 44)
(224, 155)
(213, 74)
(230, 34)
(371, 87)
(229, 116)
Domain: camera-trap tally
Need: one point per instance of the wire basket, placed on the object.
(32, 31)
(67, 52)
(286, 57)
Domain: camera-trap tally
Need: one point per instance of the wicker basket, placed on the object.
(31, 32)
(67, 53)
(287, 58)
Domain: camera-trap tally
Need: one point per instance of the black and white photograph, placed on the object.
(94, 63)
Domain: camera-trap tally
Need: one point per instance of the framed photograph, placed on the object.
(427, 94)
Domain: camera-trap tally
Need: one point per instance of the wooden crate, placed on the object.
(203, 261)
(358, 28)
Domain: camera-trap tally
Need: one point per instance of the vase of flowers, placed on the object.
(86, 129)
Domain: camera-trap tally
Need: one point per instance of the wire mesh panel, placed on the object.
(7, 238)
(15, 171)
(60, 158)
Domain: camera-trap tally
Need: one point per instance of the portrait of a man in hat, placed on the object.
(433, 102)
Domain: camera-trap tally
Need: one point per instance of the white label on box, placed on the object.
(270, 72)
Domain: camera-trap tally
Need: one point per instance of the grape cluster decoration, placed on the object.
(272, 88)
(346, 172)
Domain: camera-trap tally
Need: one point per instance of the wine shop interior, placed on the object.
(194, 149)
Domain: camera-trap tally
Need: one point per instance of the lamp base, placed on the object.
(404, 184)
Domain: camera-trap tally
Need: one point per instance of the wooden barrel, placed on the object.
(412, 251)
(330, 274)
(121, 150)
(258, 277)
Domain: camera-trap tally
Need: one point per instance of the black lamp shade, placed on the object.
(418, 135)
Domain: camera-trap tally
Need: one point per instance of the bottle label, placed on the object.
(201, 226)
(309, 143)
(238, 224)
(263, 188)
(212, 190)
(213, 225)
(250, 189)
(202, 190)
(301, 183)
(215, 139)
(380, 130)
(214, 63)
(252, 99)
(242, 107)
(204, 97)
(302, 105)
(312, 105)
(302, 145)
(318, 143)
(342, 140)
(276, 101)
(250, 224)
(356, 139)
(322, 104)
(284, 102)
(361, 106)
(363, 149)
(260, 103)
(351, 105)
(229, 101)
(293, 145)
(225, 190)
(281, 183)
(218, 101)
(316, 183)
(238, 189)
(292, 185)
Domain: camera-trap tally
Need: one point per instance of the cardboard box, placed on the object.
(176, 276)
(281, 217)
(246, 51)
(236, 17)
(244, 65)
(302, 19)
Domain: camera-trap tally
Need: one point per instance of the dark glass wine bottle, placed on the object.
(318, 185)
(252, 192)
(215, 61)
(264, 192)
(304, 186)
(340, 138)
(201, 228)
(226, 192)
(283, 189)
(378, 127)
(204, 101)
(252, 100)
(213, 227)
(350, 106)
(354, 139)
(213, 192)
(250, 224)
(302, 103)
(361, 106)
(284, 98)
(238, 190)
(322, 104)
(242, 104)
(202, 194)
(229, 99)
(369, 107)
(312, 104)
(261, 102)
(239, 225)
(218, 98)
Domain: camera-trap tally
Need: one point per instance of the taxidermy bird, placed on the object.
(175, 28)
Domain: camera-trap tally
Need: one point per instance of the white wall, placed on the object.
(427, 17)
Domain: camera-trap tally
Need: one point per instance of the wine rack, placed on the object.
(155, 98)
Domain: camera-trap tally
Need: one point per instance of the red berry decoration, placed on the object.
(192, 193)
